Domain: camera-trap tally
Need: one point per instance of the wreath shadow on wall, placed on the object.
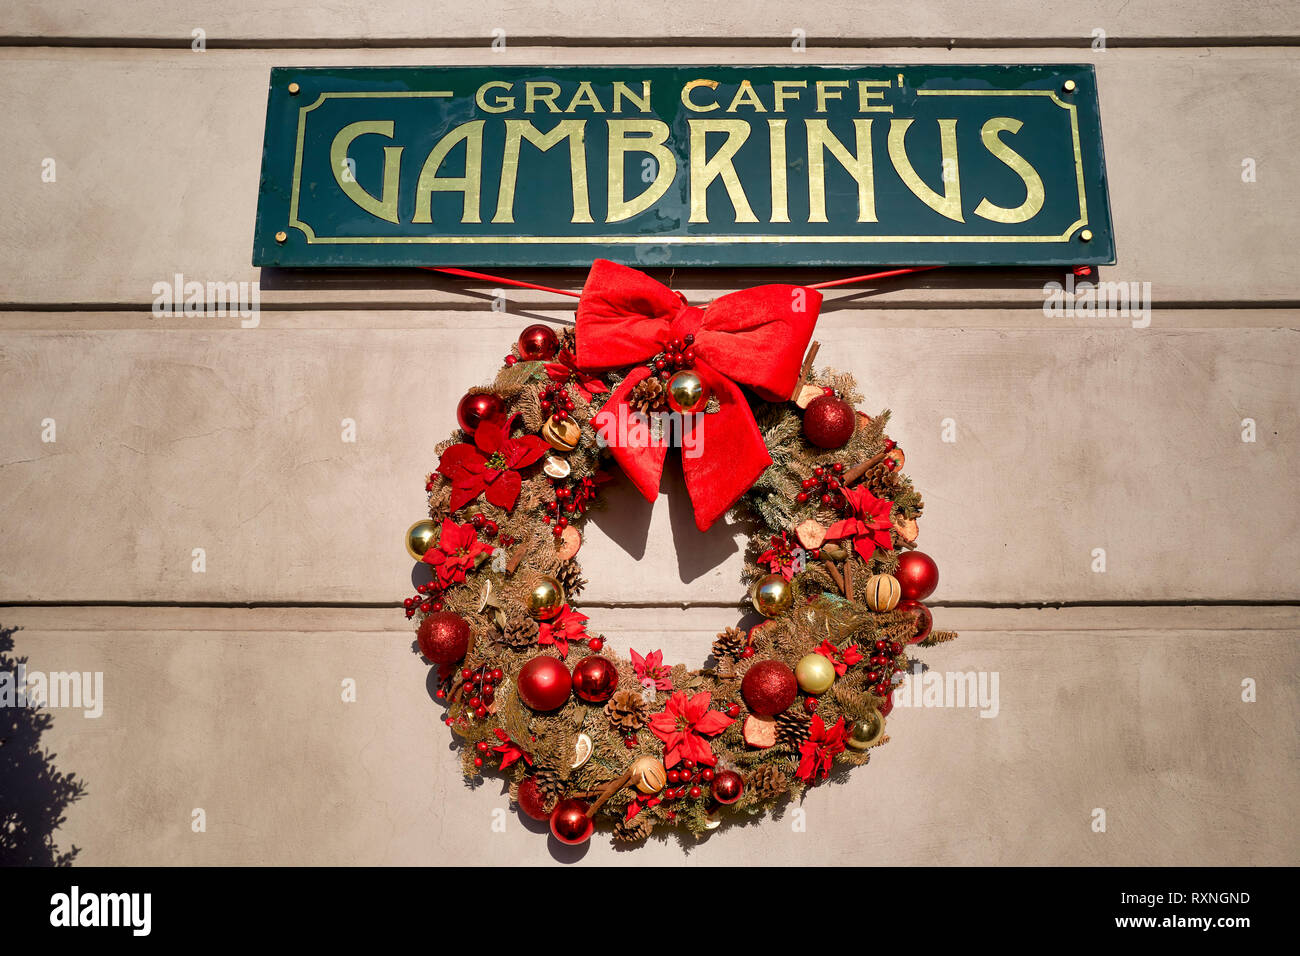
(35, 794)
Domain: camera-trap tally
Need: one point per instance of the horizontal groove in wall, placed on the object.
(419, 43)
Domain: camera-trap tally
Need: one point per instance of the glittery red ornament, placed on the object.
(828, 422)
(917, 575)
(595, 678)
(478, 407)
(532, 801)
(924, 619)
(728, 786)
(443, 637)
(538, 343)
(769, 688)
(570, 823)
(544, 683)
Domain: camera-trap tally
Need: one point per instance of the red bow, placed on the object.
(756, 338)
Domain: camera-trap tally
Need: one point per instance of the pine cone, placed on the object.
(766, 781)
(882, 480)
(519, 633)
(634, 830)
(791, 729)
(550, 785)
(647, 396)
(729, 644)
(569, 574)
(626, 710)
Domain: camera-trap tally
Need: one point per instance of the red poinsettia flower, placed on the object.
(509, 750)
(565, 371)
(868, 524)
(651, 668)
(491, 465)
(682, 726)
(779, 559)
(821, 746)
(455, 553)
(843, 659)
(568, 625)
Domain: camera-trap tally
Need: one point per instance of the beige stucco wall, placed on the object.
(178, 433)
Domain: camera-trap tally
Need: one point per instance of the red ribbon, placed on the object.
(756, 337)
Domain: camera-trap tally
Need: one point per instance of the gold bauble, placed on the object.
(815, 673)
(419, 538)
(648, 774)
(771, 595)
(687, 392)
(866, 731)
(545, 598)
(883, 592)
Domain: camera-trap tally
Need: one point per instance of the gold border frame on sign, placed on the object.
(312, 238)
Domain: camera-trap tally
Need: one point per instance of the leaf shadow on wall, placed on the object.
(35, 794)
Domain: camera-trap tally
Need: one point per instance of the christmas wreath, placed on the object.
(831, 568)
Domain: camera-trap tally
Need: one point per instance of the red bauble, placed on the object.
(595, 678)
(544, 683)
(924, 619)
(476, 408)
(443, 637)
(538, 343)
(531, 800)
(570, 823)
(728, 786)
(917, 575)
(769, 688)
(829, 421)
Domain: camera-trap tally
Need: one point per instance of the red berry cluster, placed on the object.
(570, 500)
(484, 525)
(427, 598)
(478, 689)
(884, 664)
(687, 781)
(826, 485)
(679, 355)
(556, 402)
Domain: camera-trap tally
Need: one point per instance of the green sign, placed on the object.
(671, 165)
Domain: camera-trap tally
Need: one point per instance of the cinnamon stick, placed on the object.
(834, 572)
(516, 558)
(613, 787)
(859, 470)
(848, 577)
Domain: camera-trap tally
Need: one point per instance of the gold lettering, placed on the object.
(534, 95)
(746, 95)
(502, 104)
(859, 166)
(584, 96)
(641, 102)
(1034, 193)
(829, 90)
(720, 166)
(949, 204)
(866, 95)
(780, 94)
(469, 184)
(780, 183)
(519, 130)
(650, 139)
(690, 104)
(386, 207)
